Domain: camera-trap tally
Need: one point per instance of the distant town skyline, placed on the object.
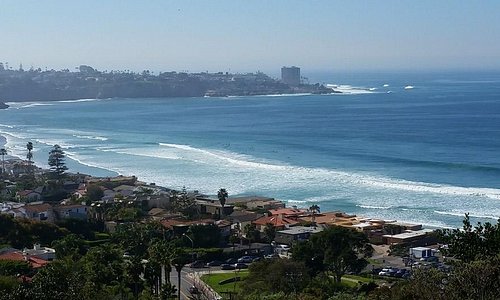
(241, 36)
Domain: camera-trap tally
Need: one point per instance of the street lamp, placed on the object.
(192, 244)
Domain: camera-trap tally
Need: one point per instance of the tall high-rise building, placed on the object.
(290, 75)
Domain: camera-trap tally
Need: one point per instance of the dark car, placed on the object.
(227, 267)
(193, 290)
(240, 266)
(197, 264)
(231, 261)
(214, 263)
(246, 259)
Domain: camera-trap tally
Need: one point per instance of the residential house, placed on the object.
(289, 212)
(295, 234)
(28, 196)
(125, 190)
(213, 207)
(225, 227)
(38, 251)
(17, 255)
(241, 218)
(279, 222)
(39, 212)
(415, 238)
(75, 211)
(255, 202)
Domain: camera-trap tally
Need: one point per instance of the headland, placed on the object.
(89, 83)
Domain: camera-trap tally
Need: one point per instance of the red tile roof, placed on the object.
(276, 221)
(18, 256)
(288, 211)
(38, 207)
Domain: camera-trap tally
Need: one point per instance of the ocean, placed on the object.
(416, 147)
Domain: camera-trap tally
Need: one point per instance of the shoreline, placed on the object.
(76, 166)
(3, 141)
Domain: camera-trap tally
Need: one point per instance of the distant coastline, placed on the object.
(88, 83)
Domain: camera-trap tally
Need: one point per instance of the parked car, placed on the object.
(271, 256)
(197, 264)
(240, 266)
(231, 261)
(227, 267)
(400, 273)
(214, 263)
(257, 259)
(193, 290)
(246, 259)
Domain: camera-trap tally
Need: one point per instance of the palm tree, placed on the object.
(29, 156)
(3, 152)
(179, 262)
(315, 210)
(222, 195)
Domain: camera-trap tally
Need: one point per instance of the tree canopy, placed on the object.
(57, 162)
(336, 250)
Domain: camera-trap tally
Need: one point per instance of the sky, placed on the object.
(247, 36)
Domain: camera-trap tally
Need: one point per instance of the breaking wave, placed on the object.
(462, 214)
(373, 206)
(91, 137)
(346, 89)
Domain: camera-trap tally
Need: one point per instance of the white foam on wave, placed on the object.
(79, 100)
(346, 89)
(319, 198)
(51, 142)
(312, 175)
(409, 87)
(91, 137)
(373, 206)
(143, 153)
(462, 214)
(228, 157)
(294, 201)
(77, 158)
(423, 187)
(20, 105)
(385, 85)
(6, 126)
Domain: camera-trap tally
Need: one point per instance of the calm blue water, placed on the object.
(425, 154)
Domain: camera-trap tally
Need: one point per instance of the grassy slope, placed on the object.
(213, 281)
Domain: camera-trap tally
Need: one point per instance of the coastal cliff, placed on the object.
(88, 83)
(3, 105)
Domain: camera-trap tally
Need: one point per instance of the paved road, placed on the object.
(189, 278)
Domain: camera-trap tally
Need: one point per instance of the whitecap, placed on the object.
(409, 87)
(318, 198)
(79, 100)
(373, 206)
(346, 89)
(91, 137)
(31, 104)
(229, 157)
(385, 85)
(462, 214)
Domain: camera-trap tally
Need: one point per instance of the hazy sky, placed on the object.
(251, 35)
